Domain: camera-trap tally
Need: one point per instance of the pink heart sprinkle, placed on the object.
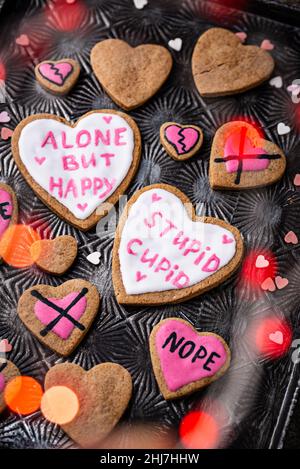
(6, 133)
(267, 45)
(23, 40)
(276, 337)
(268, 285)
(82, 207)
(107, 119)
(226, 240)
(291, 238)
(41, 160)
(140, 276)
(241, 35)
(261, 262)
(4, 117)
(5, 346)
(281, 282)
(155, 197)
(297, 180)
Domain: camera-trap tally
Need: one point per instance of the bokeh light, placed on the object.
(199, 430)
(15, 245)
(271, 337)
(67, 16)
(2, 71)
(23, 395)
(60, 405)
(255, 276)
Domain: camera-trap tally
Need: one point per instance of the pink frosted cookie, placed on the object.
(8, 371)
(8, 210)
(181, 142)
(58, 76)
(185, 360)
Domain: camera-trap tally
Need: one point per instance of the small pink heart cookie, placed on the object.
(185, 360)
(181, 142)
(58, 76)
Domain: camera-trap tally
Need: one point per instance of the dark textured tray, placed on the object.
(260, 403)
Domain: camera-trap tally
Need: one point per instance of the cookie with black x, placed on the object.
(60, 316)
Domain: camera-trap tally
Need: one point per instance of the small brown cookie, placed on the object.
(222, 65)
(242, 159)
(54, 256)
(78, 170)
(8, 211)
(60, 316)
(185, 360)
(8, 371)
(181, 142)
(58, 76)
(103, 394)
(130, 76)
(164, 253)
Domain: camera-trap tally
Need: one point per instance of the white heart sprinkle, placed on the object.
(276, 82)
(140, 4)
(283, 129)
(261, 262)
(176, 44)
(94, 258)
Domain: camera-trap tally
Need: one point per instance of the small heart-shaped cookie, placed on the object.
(242, 159)
(103, 395)
(181, 142)
(222, 65)
(58, 76)
(8, 210)
(8, 371)
(54, 256)
(130, 76)
(163, 253)
(60, 316)
(185, 360)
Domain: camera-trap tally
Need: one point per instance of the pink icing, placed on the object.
(232, 148)
(2, 382)
(64, 327)
(183, 139)
(178, 371)
(5, 210)
(56, 73)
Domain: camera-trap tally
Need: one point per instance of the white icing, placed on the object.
(49, 163)
(172, 209)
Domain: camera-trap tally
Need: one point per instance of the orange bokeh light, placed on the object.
(23, 395)
(59, 405)
(199, 430)
(15, 245)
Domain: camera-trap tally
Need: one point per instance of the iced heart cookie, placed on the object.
(54, 256)
(8, 371)
(78, 170)
(103, 395)
(242, 159)
(181, 142)
(185, 360)
(58, 76)
(8, 208)
(222, 65)
(60, 316)
(130, 76)
(163, 253)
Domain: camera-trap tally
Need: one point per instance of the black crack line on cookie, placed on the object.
(181, 141)
(58, 74)
(63, 313)
(2, 366)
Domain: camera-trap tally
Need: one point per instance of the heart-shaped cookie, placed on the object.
(185, 360)
(54, 256)
(8, 371)
(181, 142)
(103, 395)
(78, 170)
(60, 316)
(242, 159)
(130, 76)
(8, 209)
(163, 253)
(222, 65)
(58, 76)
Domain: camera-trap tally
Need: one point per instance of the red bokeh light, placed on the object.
(255, 276)
(271, 336)
(199, 430)
(67, 16)
(2, 71)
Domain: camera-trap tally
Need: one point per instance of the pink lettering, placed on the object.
(91, 162)
(170, 227)
(86, 185)
(212, 264)
(71, 187)
(107, 157)
(163, 265)
(109, 187)
(100, 137)
(181, 281)
(119, 136)
(70, 163)
(199, 258)
(83, 138)
(56, 185)
(50, 140)
(98, 184)
(150, 260)
(181, 243)
(64, 140)
(195, 246)
(152, 223)
(131, 243)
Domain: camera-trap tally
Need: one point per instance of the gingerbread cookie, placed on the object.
(181, 142)
(54, 256)
(8, 210)
(185, 360)
(164, 253)
(103, 395)
(8, 371)
(78, 170)
(58, 76)
(222, 65)
(60, 316)
(242, 159)
(130, 76)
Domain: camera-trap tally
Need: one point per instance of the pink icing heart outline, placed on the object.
(140, 276)
(226, 240)
(156, 198)
(41, 160)
(82, 207)
(183, 139)
(56, 73)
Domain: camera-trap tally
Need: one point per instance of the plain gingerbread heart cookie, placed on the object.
(163, 253)
(242, 159)
(181, 142)
(58, 76)
(78, 170)
(103, 395)
(54, 256)
(130, 76)
(185, 360)
(8, 371)
(222, 65)
(8, 211)
(60, 317)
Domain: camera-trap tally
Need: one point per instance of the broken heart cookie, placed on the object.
(222, 65)
(181, 142)
(185, 360)
(8, 371)
(242, 159)
(103, 395)
(60, 316)
(164, 253)
(54, 256)
(79, 171)
(130, 76)
(58, 76)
